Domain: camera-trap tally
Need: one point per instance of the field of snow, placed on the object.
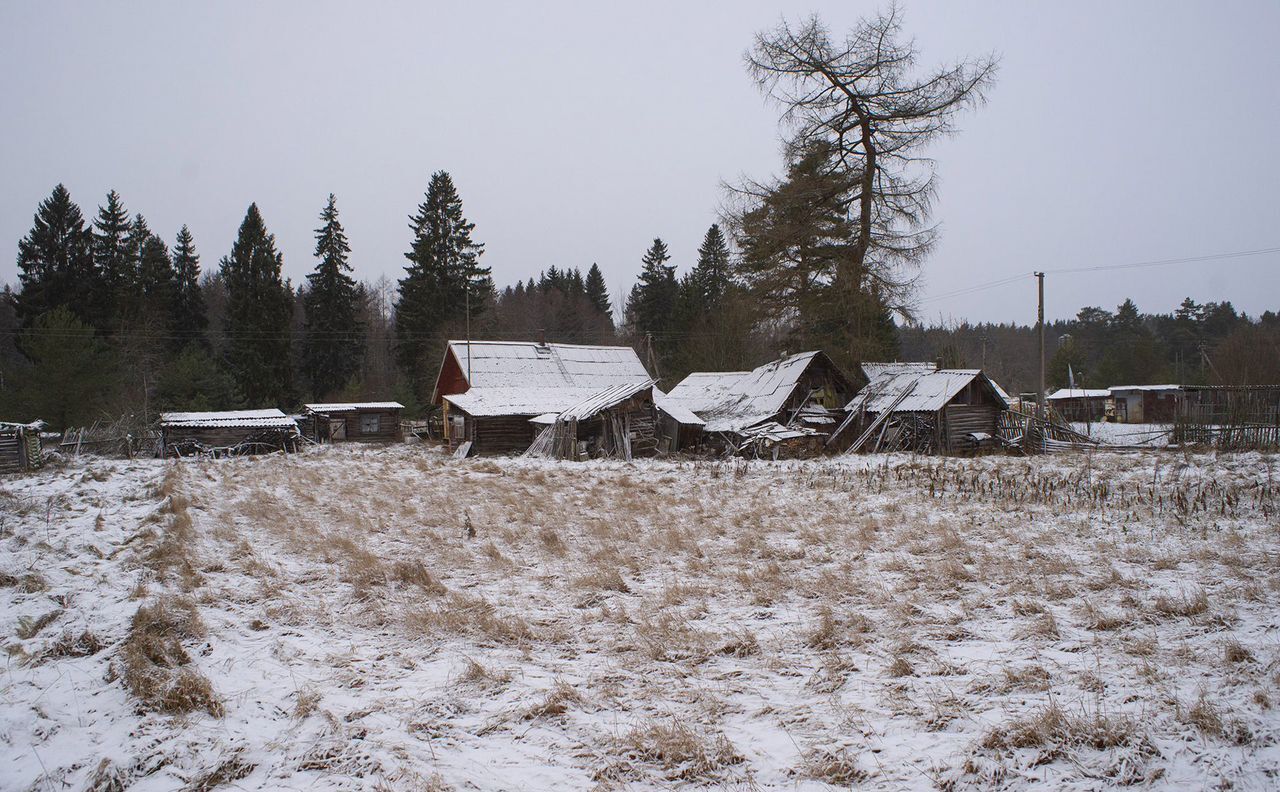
(1153, 435)
(390, 618)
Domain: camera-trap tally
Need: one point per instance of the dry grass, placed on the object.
(157, 669)
(1053, 727)
(680, 751)
(829, 766)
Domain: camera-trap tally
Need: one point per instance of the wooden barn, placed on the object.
(489, 390)
(803, 391)
(1080, 404)
(227, 433)
(1137, 404)
(678, 428)
(913, 408)
(20, 446)
(365, 422)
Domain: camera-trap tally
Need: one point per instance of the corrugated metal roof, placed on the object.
(932, 391)
(734, 400)
(252, 419)
(678, 412)
(1079, 393)
(352, 406)
(603, 400)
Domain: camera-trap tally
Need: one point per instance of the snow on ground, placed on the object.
(390, 618)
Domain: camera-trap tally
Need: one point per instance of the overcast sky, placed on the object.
(1116, 133)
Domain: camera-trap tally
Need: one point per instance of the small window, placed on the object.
(369, 424)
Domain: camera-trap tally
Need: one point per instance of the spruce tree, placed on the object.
(111, 257)
(652, 303)
(189, 317)
(55, 262)
(259, 311)
(157, 287)
(443, 276)
(598, 293)
(333, 338)
(710, 276)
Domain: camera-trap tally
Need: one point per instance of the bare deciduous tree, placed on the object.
(863, 100)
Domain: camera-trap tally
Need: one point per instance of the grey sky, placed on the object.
(1117, 132)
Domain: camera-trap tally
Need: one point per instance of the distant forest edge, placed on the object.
(108, 319)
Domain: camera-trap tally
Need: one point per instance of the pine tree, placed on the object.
(598, 293)
(259, 311)
(189, 317)
(55, 262)
(111, 257)
(442, 278)
(333, 339)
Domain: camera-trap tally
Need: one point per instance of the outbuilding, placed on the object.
(912, 408)
(20, 447)
(227, 433)
(490, 390)
(1137, 404)
(1080, 404)
(367, 422)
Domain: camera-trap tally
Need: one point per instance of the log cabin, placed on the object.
(364, 422)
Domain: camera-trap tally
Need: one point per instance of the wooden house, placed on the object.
(366, 422)
(802, 391)
(678, 428)
(490, 390)
(1146, 403)
(913, 408)
(1080, 404)
(227, 433)
(20, 446)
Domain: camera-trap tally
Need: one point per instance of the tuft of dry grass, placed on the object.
(1192, 602)
(837, 767)
(157, 669)
(1235, 652)
(1053, 727)
(466, 614)
(683, 753)
(29, 628)
(556, 702)
(414, 573)
(70, 644)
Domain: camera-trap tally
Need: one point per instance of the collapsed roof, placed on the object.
(731, 401)
(917, 389)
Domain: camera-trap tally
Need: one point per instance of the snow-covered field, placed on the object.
(1153, 435)
(390, 618)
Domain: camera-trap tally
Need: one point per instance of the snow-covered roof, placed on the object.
(490, 402)
(258, 419)
(926, 391)
(352, 406)
(504, 364)
(876, 370)
(603, 400)
(531, 378)
(34, 426)
(1115, 388)
(734, 400)
(678, 412)
(1079, 393)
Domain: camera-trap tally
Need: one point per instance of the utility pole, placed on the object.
(1040, 332)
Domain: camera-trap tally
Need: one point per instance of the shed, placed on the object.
(227, 433)
(1146, 403)
(369, 422)
(918, 409)
(20, 446)
(678, 428)
(615, 422)
(1080, 404)
(489, 390)
(805, 389)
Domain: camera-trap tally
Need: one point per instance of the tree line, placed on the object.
(107, 318)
